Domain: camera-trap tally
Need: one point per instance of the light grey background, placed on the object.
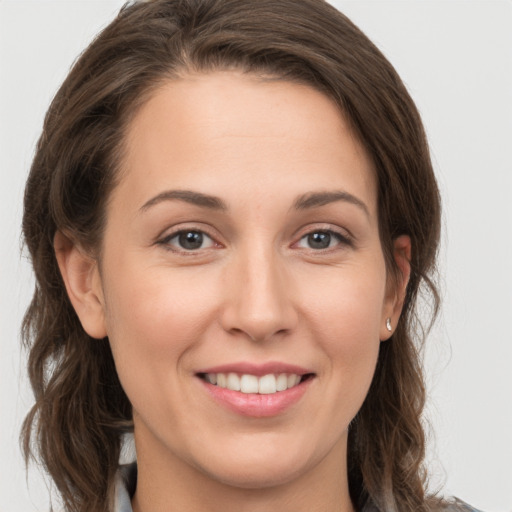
(456, 59)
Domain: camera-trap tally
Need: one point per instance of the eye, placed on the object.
(324, 239)
(188, 240)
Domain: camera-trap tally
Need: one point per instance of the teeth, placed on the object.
(221, 380)
(293, 380)
(233, 382)
(268, 384)
(249, 384)
(282, 382)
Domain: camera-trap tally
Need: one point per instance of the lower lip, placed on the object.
(254, 404)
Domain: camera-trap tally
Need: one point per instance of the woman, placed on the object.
(230, 214)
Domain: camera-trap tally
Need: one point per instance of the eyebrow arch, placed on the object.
(189, 196)
(316, 199)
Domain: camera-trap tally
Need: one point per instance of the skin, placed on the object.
(254, 291)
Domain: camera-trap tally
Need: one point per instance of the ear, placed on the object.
(83, 283)
(396, 287)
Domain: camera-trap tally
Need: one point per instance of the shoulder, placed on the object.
(456, 505)
(453, 505)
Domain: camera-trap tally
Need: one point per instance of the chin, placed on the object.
(256, 475)
(265, 464)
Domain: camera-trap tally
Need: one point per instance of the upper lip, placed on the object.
(256, 369)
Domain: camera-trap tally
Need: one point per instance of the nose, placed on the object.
(259, 296)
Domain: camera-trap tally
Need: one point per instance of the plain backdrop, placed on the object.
(456, 59)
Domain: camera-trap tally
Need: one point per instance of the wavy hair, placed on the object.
(81, 410)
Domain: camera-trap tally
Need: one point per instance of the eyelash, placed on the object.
(342, 240)
(166, 241)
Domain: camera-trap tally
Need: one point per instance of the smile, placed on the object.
(247, 383)
(255, 390)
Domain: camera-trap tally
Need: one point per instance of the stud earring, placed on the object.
(388, 325)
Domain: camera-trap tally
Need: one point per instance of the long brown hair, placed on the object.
(81, 410)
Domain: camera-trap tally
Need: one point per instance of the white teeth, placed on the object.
(282, 382)
(221, 380)
(293, 380)
(233, 382)
(249, 384)
(265, 385)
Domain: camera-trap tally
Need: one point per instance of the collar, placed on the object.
(126, 481)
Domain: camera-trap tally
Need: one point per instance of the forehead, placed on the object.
(208, 131)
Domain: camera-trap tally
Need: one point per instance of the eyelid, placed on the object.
(343, 235)
(169, 234)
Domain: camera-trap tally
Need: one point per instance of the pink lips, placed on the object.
(254, 404)
(257, 369)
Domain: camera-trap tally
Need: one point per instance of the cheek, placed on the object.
(155, 317)
(156, 321)
(352, 343)
(345, 318)
(346, 303)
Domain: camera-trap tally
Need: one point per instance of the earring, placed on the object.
(388, 325)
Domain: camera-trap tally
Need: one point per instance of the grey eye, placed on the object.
(190, 240)
(321, 240)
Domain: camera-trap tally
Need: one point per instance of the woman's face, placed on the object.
(242, 247)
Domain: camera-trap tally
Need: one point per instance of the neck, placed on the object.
(168, 483)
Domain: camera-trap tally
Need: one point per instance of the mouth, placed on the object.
(256, 390)
(247, 383)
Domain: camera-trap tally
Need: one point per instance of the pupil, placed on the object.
(319, 240)
(191, 240)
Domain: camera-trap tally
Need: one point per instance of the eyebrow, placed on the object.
(316, 199)
(189, 196)
(303, 202)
